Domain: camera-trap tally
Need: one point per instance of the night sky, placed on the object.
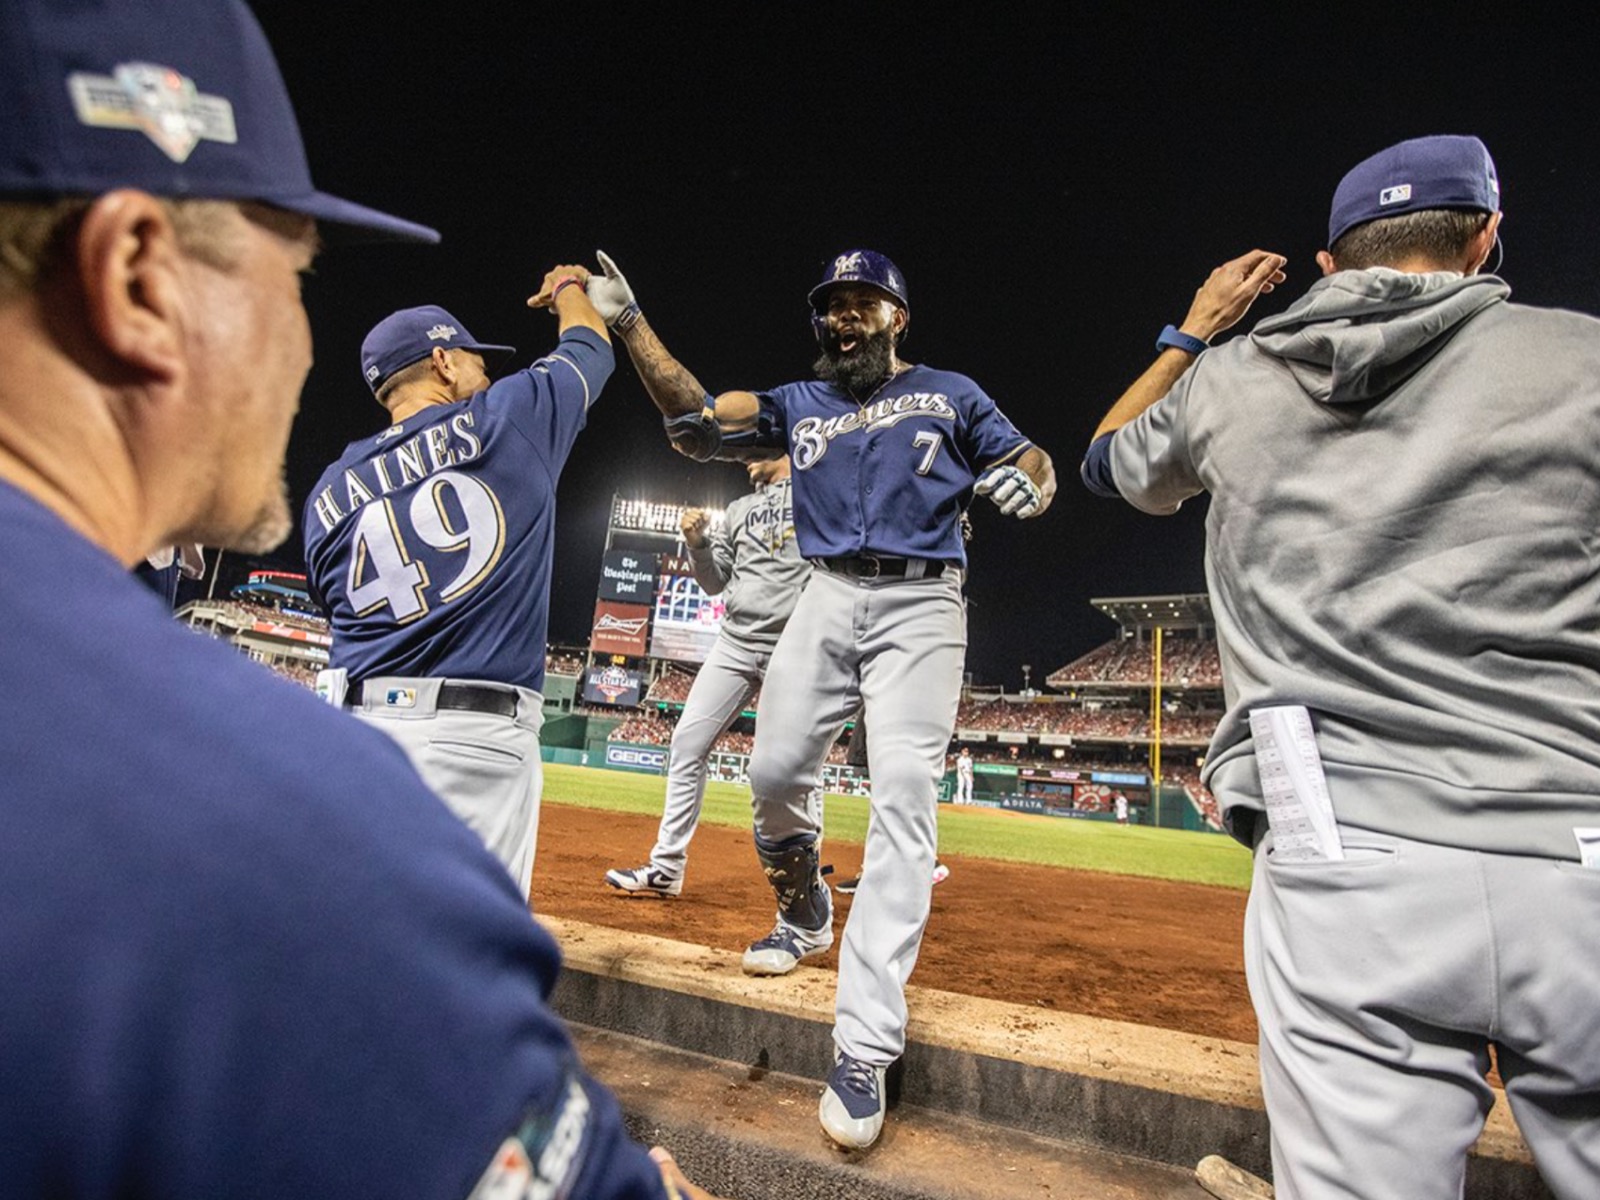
(1054, 188)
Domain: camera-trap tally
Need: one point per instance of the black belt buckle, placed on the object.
(877, 566)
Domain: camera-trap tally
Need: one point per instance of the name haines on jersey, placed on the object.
(429, 543)
(892, 474)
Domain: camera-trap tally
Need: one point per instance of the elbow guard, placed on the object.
(696, 434)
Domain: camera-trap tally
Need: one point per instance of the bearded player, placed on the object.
(886, 456)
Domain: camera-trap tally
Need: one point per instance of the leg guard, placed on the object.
(793, 867)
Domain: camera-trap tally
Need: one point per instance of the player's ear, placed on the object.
(1325, 261)
(130, 267)
(443, 366)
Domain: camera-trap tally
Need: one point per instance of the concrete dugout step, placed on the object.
(1131, 1091)
(752, 1134)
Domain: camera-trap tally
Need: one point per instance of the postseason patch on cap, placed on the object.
(442, 333)
(158, 101)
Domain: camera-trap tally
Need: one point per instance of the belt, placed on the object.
(467, 697)
(882, 566)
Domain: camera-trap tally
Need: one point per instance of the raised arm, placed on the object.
(563, 290)
(1219, 303)
(697, 422)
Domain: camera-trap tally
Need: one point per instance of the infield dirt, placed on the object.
(1123, 948)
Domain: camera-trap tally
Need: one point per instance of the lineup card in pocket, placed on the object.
(1293, 786)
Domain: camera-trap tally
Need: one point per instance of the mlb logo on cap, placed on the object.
(1444, 171)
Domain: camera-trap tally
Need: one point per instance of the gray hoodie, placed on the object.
(754, 556)
(1405, 484)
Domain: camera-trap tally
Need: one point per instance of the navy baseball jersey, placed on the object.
(289, 973)
(891, 475)
(429, 544)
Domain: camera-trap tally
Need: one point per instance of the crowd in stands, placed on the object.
(562, 663)
(671, 686)
(302, 673)
(1202, 799)
(261, 612)
(1077, 721)
(1185, 662)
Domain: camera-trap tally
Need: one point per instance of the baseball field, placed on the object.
(1128, 923)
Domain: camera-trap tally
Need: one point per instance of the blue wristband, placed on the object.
(1170, 336)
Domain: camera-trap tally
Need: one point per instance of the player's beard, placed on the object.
(860, 371)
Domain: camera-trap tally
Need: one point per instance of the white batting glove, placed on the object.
(610, 294)
(1011, 490)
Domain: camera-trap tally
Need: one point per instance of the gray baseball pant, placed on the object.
(727, 680)
(899, 646)
(1377, 983)
(485, 767)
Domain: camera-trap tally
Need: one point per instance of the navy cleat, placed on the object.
(851, 1110)
(781, 950)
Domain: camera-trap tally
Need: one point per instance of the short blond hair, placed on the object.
(35, 236)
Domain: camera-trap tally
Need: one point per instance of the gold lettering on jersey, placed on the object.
(438, 439)
(381, 469)
(461, 425)
(810, 437)
(408, 457)
(356, 492)
(437, 448)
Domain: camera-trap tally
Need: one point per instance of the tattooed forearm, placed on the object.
(671, 386)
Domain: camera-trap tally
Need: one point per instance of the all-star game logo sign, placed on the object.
(613, 682)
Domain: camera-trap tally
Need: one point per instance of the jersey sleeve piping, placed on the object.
(588, 395)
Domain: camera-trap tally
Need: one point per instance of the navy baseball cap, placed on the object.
(1443, 171)
(862, 266)
(179, 98)
(410, 335)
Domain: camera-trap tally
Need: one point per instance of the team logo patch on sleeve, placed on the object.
(542, 1160)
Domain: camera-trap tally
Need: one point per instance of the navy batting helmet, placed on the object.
(859, 266)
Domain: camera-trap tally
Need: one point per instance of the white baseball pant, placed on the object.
(485, 767)
(899, 646)
(1378, 982)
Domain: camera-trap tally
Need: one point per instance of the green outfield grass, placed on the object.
(984, 833)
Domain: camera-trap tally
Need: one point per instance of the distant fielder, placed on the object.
(886, 457)
(429, 546)
(754, 561)
(964, 776)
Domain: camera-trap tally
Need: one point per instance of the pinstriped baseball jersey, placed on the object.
(892, 474)
(429, 544)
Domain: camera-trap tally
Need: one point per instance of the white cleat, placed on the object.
(645, 879)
